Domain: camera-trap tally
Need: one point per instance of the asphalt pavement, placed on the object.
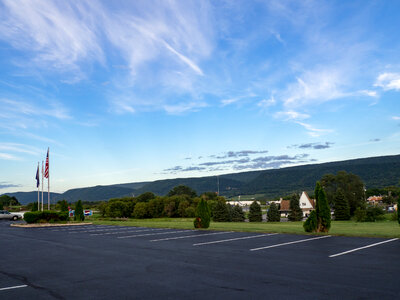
(119, 262)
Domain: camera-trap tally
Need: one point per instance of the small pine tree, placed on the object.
(310, 225)
(295, 214)
(203, 215)
(273, 213)
(255, 214)
(323, 210)
(342, 208)
(221, 212)
(237, 214)
(79, 216)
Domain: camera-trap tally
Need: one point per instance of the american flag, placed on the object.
(46, 169)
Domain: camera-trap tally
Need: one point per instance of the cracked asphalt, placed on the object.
(109, 262)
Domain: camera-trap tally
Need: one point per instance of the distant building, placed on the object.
(374, 200)
(305, 202)
(241, 203)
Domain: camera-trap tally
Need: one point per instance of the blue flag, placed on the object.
(37, 177)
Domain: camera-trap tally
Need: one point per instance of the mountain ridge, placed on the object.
(376, 171)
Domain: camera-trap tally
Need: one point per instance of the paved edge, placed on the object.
(48, 225)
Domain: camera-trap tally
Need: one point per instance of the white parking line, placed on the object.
(130, 231)
(235, 239)
(138, 235)
(288, 243)
(108, 229)
(190, 236)
(13, 287)
(357, 249)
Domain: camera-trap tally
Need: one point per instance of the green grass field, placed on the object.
(385, 229)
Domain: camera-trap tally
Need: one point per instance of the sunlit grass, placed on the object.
(387, 229)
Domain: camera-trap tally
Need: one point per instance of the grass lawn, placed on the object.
(386, 229)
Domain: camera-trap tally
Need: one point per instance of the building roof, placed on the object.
(285, 205)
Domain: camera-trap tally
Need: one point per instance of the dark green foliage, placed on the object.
(45, 216)
(170, 209)
(102, 207)
(1, 206)
(117, 209)
(63, 205)
(145, 197)
(182, 190)
(182, 206)
(342, 209)
(237, 214)
(360, 214)
(79, 216)
(203, 216)
(141, 210)
(398, 208)
(34, 206)
(7, 200)
(351, 185)
(221, 212)
(295, 214)
(190, 212)
(155, 207)
(255, 214)
(370, 214)
(273, 214)
(323, 210)
(310, 225)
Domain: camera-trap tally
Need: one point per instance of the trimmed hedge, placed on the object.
(45, 216)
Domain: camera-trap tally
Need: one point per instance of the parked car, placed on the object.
(6, 215)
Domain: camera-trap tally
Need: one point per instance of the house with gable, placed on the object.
(305, 202)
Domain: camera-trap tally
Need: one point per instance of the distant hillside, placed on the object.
(375, 172)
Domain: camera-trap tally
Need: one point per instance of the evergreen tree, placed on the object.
(221, 212)
(273, 213)
(310, 225)
(255, 214)
(79, 216)
(203, 215)
(398, 210)
(295, 214)
(1, 205)
(342, 208)
(237, 214)
(323, 210)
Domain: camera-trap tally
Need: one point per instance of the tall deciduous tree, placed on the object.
(182, 190)
(255, 214)
(295, 214)
(273, 213)
(352, 186)
(342, 209)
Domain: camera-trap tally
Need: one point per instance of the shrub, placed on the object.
(79, 216)
(155, 207)
(273, 213)
(169, 207)
(237, 214)
(374, 213)
(360, 214)
(183, 205)
(203, 215)
(310, 225)
(118, 209)
(45, 216)
(141, 210)
(221, 212)
(255, 214)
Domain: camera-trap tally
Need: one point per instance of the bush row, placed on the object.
(45, 216)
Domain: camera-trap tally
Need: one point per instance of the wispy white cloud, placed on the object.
(396, 118)
(59, 35)
(291, 115)
(265, 103)
(313, 131)
(388, 81)
(19, 148)
(180, 108)
(7, 156)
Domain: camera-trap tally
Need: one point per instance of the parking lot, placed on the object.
(107, 262)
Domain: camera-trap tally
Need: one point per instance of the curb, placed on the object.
(47, 225)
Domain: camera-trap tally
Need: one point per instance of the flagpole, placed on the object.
(48, 181)
(42, 183)
(38, 186)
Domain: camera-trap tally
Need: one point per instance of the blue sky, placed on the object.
(129, 91)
